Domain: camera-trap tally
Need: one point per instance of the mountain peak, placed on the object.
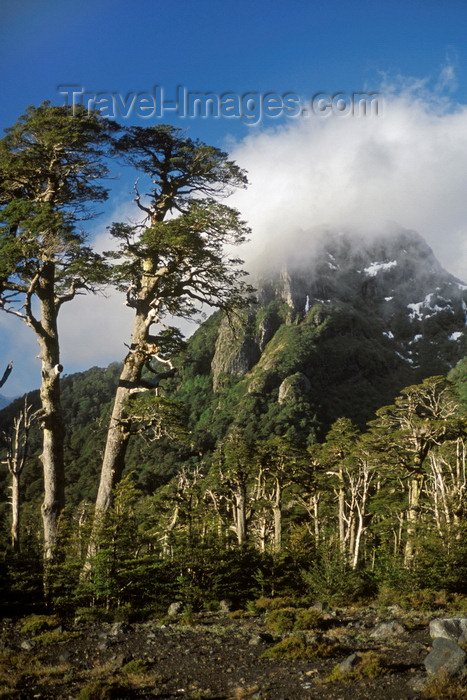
(343, 310)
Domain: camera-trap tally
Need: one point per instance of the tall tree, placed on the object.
(422, 417)
(16, 443)
(279, 463)
(50, 166)
(170, 264)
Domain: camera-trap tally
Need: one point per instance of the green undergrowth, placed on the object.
(371, 666)
(290, 619)
(443, 686)
(296, 647)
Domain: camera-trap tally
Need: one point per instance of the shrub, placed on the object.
(56, 635)
(39, 623)
(134, 666)
(280, 621)
(296, 647)
(97, 690)
(288, 648)
(308, 619)
(371, 666)
(443, 686)
(265, 603)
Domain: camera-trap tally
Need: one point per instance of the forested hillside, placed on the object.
(308, 440)
(321, 457)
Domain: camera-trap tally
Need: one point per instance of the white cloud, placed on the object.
(407, 165)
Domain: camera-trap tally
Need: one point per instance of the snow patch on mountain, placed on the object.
(375, 267)
(428, 307)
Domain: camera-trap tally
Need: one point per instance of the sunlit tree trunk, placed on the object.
(16, 444)
(277, 514)
(412, 518)
(50, 418)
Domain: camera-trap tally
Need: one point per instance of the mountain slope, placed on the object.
(4, 401)
(342, 323)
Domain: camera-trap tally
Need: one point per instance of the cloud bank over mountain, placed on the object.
(407, 165)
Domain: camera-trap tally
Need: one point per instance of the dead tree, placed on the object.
(6, 374)
(16, 443)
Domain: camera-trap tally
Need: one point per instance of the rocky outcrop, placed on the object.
(294, 387)
(447, 656)
(393, 279)
(236, 348)
(454, 628)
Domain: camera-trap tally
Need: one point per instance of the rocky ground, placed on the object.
(217, 655)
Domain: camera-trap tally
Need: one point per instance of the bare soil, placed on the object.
(209, 655)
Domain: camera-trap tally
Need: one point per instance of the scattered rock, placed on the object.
(350, 663)
(120, 628)
(388, 629)
(261, 638)
(446, 656)
(454, 628)
(175, 609)
(225, 605)
(119, 661)
(417, 684)
(28, 644)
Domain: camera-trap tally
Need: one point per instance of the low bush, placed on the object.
(296, 647)
(39, 623)
(443, 686)
(280, 621)
(371, 666)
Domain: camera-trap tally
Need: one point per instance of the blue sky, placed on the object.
(413, 52)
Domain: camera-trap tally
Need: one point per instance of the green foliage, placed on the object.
(370, 666)
(55, 636)
(288, 619)
(98, 690)
(39, 623)
(296, 647)
(265, 603)
(288, 648)
(442, 685)
(51, 166)
(308, 619)
(330, 579)
(280, 621)
(134, 666)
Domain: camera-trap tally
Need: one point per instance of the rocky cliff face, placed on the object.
(345, 314)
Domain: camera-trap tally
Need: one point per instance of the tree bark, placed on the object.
(277, 512)
(341, 511)
(15, 511)
(415, 490)
(51, 419)
(118, 435)
(240, 510)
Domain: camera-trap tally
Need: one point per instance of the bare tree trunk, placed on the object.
(316, 518)
(240, 508)
(15, 512)
(6, 373)
(118, 435)
(17, 452)
(277, 512)
(51, 422)
(341, 511)
(415, 490)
